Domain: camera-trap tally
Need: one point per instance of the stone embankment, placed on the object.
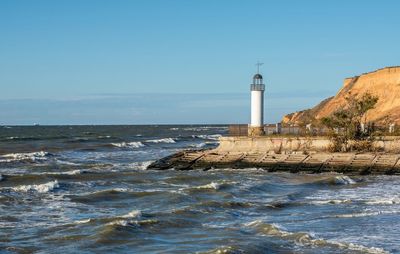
(283, 154)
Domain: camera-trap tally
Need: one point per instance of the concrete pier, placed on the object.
(308, 155)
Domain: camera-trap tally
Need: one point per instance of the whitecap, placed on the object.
(102, 137)
(128, 144)
(210, 137)
(34, 156)
(82, 221)
(73, 172)
(308, 239)
(40, 188)
(212, 185)
(344, 180)
(133, 214)
(383, 201)
(364, 214)
(123, 223)
(162, 140)
(198, 145)
(140, 165)
(330, 201)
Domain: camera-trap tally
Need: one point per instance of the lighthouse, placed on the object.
(256, 127)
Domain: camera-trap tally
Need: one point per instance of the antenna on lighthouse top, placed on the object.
(258, 66)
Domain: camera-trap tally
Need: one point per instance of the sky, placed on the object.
(183, 61)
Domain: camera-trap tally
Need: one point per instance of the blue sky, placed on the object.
(186, 61)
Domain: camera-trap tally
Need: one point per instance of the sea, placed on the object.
(85, 189)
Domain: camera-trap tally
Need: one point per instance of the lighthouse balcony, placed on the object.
(257, 87)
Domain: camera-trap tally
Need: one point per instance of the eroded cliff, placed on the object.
(384, 83)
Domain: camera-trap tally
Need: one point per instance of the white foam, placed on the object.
(364, 214)
(198, 145)
(357, 247)
(344, 180)
(128, 144)
(40, 188)
(133, 214)
(162, 140)
(212, 185)
(82, 221)
(308, 239)
(330, 201)
(107, 136)
(384, 201)
(73, 172)
(140, 165)
(123, 223)
(212, 137)
(35, 156)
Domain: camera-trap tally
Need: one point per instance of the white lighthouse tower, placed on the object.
(256, 127)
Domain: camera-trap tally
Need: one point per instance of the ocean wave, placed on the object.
(383, 201)
(142, 165)
(84, 221)
(131, 223)
(307, 239)
(344, 180)
(364, 214)
(133, 214)
(225, 250)
(33, 157)
(40, 188)
(136, 144)
(201, 145)
(212, 185)
(205, 128)
(103, 137)
(330, 201)
(209, 137)
(162, 140)
(71, 172)
(111, 195)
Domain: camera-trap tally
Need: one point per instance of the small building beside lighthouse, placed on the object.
(256, 126)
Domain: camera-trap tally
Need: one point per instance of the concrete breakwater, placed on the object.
(286, 154)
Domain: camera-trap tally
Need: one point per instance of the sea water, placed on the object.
(85, 189)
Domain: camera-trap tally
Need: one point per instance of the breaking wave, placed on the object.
(128, 144)
(384, 201)
(32, 157)
(40, 188)
(344, 180)
(306, 239)
(331, 201)
(209, 137)
(212, 185)
(162, 140)
(140, 165)
(364, 214)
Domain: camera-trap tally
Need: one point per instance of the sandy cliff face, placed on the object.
(384, 83)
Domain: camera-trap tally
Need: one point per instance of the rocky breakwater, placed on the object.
(309, 155)
(384, 83)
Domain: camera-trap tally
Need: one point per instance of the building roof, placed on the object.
(257, 76)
